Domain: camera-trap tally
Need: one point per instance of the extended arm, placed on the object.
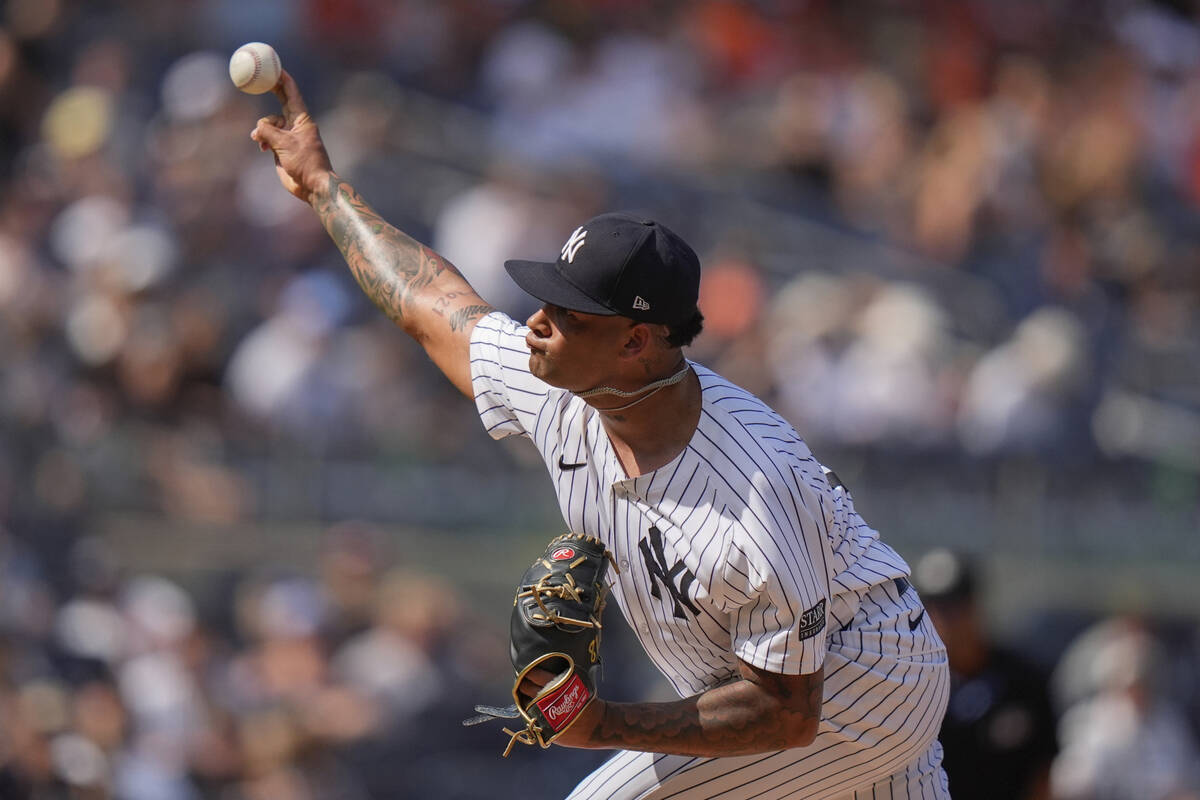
(760, 713)
(413, 285)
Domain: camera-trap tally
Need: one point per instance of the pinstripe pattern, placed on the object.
(743, 548)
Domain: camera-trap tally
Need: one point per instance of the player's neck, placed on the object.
(651, 433)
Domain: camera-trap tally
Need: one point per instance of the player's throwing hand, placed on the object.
(300, 157)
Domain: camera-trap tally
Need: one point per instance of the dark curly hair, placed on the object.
(681, 334)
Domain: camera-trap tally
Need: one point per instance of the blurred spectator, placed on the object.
(733, 299)
(353, 555)
(1122, 736)
(505, 216)
(999, 730)
(863, 361)
(393, 663)
(1020, 395)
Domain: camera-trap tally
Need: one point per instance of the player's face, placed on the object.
(573, 350)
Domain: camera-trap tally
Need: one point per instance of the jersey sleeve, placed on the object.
(777, 601)
(507, 397)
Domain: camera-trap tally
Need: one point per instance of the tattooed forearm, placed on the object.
(636, 726)
(740, 718)
(394, 270)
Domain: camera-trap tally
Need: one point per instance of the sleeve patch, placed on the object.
(811, 622)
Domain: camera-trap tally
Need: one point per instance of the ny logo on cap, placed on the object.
(573, 244)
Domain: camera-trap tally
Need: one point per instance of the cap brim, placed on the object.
(546, 283)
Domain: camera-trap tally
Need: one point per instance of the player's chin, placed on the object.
(540, 366)
(545, 369)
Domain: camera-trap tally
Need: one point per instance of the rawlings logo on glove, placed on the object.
(555, 627)
(563, 706)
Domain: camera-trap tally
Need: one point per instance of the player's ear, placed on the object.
(637, 338)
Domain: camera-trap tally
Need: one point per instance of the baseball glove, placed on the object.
(555, 626)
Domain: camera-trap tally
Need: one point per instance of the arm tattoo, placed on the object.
(735, 719)
(647, 724)
(460, 318)
(392, 268)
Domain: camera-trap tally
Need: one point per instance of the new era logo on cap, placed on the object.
(618, 264)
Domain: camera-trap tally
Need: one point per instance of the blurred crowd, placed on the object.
(347, 683)
(958, 229)
(963, 231)
(350, 681)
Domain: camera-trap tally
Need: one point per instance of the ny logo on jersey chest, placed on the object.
(656, 565)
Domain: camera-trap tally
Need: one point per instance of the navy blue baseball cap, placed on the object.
(618, 264)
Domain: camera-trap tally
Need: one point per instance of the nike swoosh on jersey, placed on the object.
(913, 622)
(568, 467)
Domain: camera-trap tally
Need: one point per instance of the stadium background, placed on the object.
(955, 243)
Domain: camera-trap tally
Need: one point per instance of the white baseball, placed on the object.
(254, 68)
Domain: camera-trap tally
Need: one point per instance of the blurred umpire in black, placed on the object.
(999, 731)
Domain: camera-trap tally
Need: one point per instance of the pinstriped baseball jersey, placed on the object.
(743, 547)
(740, 548)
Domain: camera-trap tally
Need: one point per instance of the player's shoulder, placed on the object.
(497, 325)
(743, 416)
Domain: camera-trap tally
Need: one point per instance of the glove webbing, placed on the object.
(559, 591)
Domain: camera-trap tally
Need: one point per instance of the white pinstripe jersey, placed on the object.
(738, 548)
